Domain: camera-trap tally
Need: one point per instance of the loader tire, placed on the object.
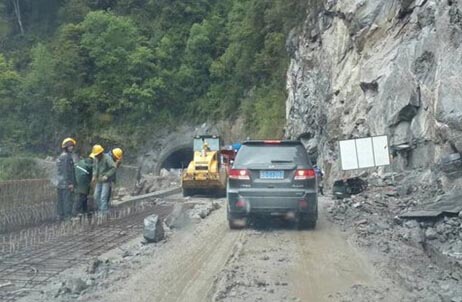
(187, 192)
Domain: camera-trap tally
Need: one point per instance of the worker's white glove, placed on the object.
(104, 178)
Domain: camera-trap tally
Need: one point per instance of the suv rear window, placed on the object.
(272, 153)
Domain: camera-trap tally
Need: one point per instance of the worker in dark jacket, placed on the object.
(117, 156)
(66, 178)
(320, 175)
(104, 169)
(83, 177)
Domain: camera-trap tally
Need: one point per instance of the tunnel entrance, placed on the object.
(178, 159)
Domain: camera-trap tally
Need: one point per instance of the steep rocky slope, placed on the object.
(361, 68)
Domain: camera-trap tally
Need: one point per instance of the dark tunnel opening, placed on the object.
(178, 159)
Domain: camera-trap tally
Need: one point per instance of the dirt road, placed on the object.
(270, 262)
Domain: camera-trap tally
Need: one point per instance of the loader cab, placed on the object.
(213, 141)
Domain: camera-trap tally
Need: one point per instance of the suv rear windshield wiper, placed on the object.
(282, 161)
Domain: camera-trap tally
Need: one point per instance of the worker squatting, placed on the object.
(76, 179)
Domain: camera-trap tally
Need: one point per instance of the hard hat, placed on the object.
(117, 153)
(68, 142)
(96, 150)
(206, 144)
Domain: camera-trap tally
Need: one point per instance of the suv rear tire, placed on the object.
(234, 226)
(307, 223)
(233, 219)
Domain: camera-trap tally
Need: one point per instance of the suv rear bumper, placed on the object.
(245, 202)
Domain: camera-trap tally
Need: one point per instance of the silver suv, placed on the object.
(273, 178)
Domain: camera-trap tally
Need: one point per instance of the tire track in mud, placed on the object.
(207, 262)
(331, 268)
(326, 264)
(221, 285)
(186, 267)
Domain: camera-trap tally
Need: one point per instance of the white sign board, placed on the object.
(364, 152)
(381, 152)
(348, 155)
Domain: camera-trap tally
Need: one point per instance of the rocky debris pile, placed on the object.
(152, 183)
(445, 237)
(198, 210)
(77, 285)
(410, 246)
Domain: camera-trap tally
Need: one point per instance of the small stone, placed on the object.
(77, 285)
(266, 257)
(411, 224)
(362, 221)
(126, 254)
(260, 283)
(94, 266)
(440, 228)
(430, 234)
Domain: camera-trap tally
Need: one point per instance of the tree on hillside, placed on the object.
(17, 12)
(109, 41)
(10, 127)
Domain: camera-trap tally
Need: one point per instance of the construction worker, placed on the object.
(83, 177)
(320, 175)
(66, 178)
(104, 169)
(117, 155)
(205, 149)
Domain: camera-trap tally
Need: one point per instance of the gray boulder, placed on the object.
(153, 229)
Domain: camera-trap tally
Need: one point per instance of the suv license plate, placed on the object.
(272, 174)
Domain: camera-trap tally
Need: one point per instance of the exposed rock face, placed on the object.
(361, 68)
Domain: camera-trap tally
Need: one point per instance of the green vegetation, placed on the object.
(20, 168)
(112, 71)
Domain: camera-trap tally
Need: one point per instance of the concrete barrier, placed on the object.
(147, 197)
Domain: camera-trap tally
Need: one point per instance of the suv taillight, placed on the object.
(241, 174)
(304, 174)
(272, 141)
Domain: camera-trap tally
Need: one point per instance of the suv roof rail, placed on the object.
(272, 141)
(207, 136)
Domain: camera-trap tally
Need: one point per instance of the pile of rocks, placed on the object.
(152, 183)
(406, 247)
(200, 210)
(377, 211)
(445, 237)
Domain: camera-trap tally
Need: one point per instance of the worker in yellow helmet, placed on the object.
(104, 174)
(65, 178)
(117, 155)
(103, 169)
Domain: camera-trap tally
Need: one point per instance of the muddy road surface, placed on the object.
(269, 261)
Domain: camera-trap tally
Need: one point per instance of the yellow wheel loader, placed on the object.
(205, 173)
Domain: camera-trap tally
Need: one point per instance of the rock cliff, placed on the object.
(363, 68)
